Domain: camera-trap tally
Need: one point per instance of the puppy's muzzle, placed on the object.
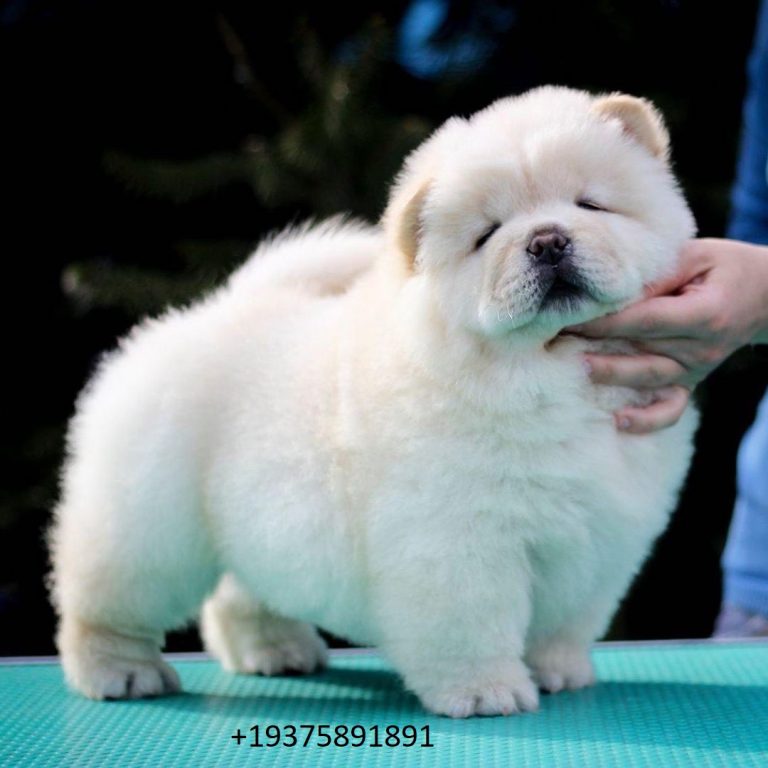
(560, 282)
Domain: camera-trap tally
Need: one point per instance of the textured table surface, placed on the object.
(675, 705)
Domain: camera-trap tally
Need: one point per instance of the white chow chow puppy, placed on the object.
(380, 431)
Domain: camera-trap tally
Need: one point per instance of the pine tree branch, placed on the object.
(245, 74)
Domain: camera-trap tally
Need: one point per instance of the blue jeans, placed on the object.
(745, 560)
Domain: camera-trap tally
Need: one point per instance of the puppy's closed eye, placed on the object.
(589, 205)
(486, 236)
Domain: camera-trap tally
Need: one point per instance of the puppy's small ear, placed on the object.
(409, 226)
(639, 119)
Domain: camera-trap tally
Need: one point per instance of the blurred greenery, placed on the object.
(150, 146)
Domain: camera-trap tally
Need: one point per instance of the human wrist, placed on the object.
(760, 271)
(761, 337)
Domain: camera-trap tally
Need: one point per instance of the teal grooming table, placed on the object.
(659, 705)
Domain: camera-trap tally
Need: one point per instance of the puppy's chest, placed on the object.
(445, 450)
(492, 461)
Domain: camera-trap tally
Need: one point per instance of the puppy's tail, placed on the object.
(324, 258)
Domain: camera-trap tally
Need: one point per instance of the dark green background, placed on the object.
(146, 147)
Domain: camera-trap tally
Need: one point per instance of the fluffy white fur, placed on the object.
(379, 431)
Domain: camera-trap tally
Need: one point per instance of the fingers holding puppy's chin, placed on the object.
(658, 317)
(640, 371)
(666, 410)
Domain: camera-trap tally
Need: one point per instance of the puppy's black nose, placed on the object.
(549, 247)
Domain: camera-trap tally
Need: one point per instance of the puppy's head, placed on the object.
(539, 212)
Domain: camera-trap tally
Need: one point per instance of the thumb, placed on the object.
(690, 265)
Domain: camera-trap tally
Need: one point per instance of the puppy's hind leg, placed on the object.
(118, 589)
(107, 663)
(247, 637)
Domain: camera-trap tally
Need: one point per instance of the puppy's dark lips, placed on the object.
(564, 290)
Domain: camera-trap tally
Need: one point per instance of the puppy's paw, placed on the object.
(106, 665)
(295, 655)
(249, 639)
(559, 666)
(506, 694)
(125, 679)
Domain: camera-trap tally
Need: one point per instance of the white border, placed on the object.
(341, 652)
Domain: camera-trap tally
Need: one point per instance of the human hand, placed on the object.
(686, 325)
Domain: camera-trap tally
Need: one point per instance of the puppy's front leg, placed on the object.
(455, 629)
